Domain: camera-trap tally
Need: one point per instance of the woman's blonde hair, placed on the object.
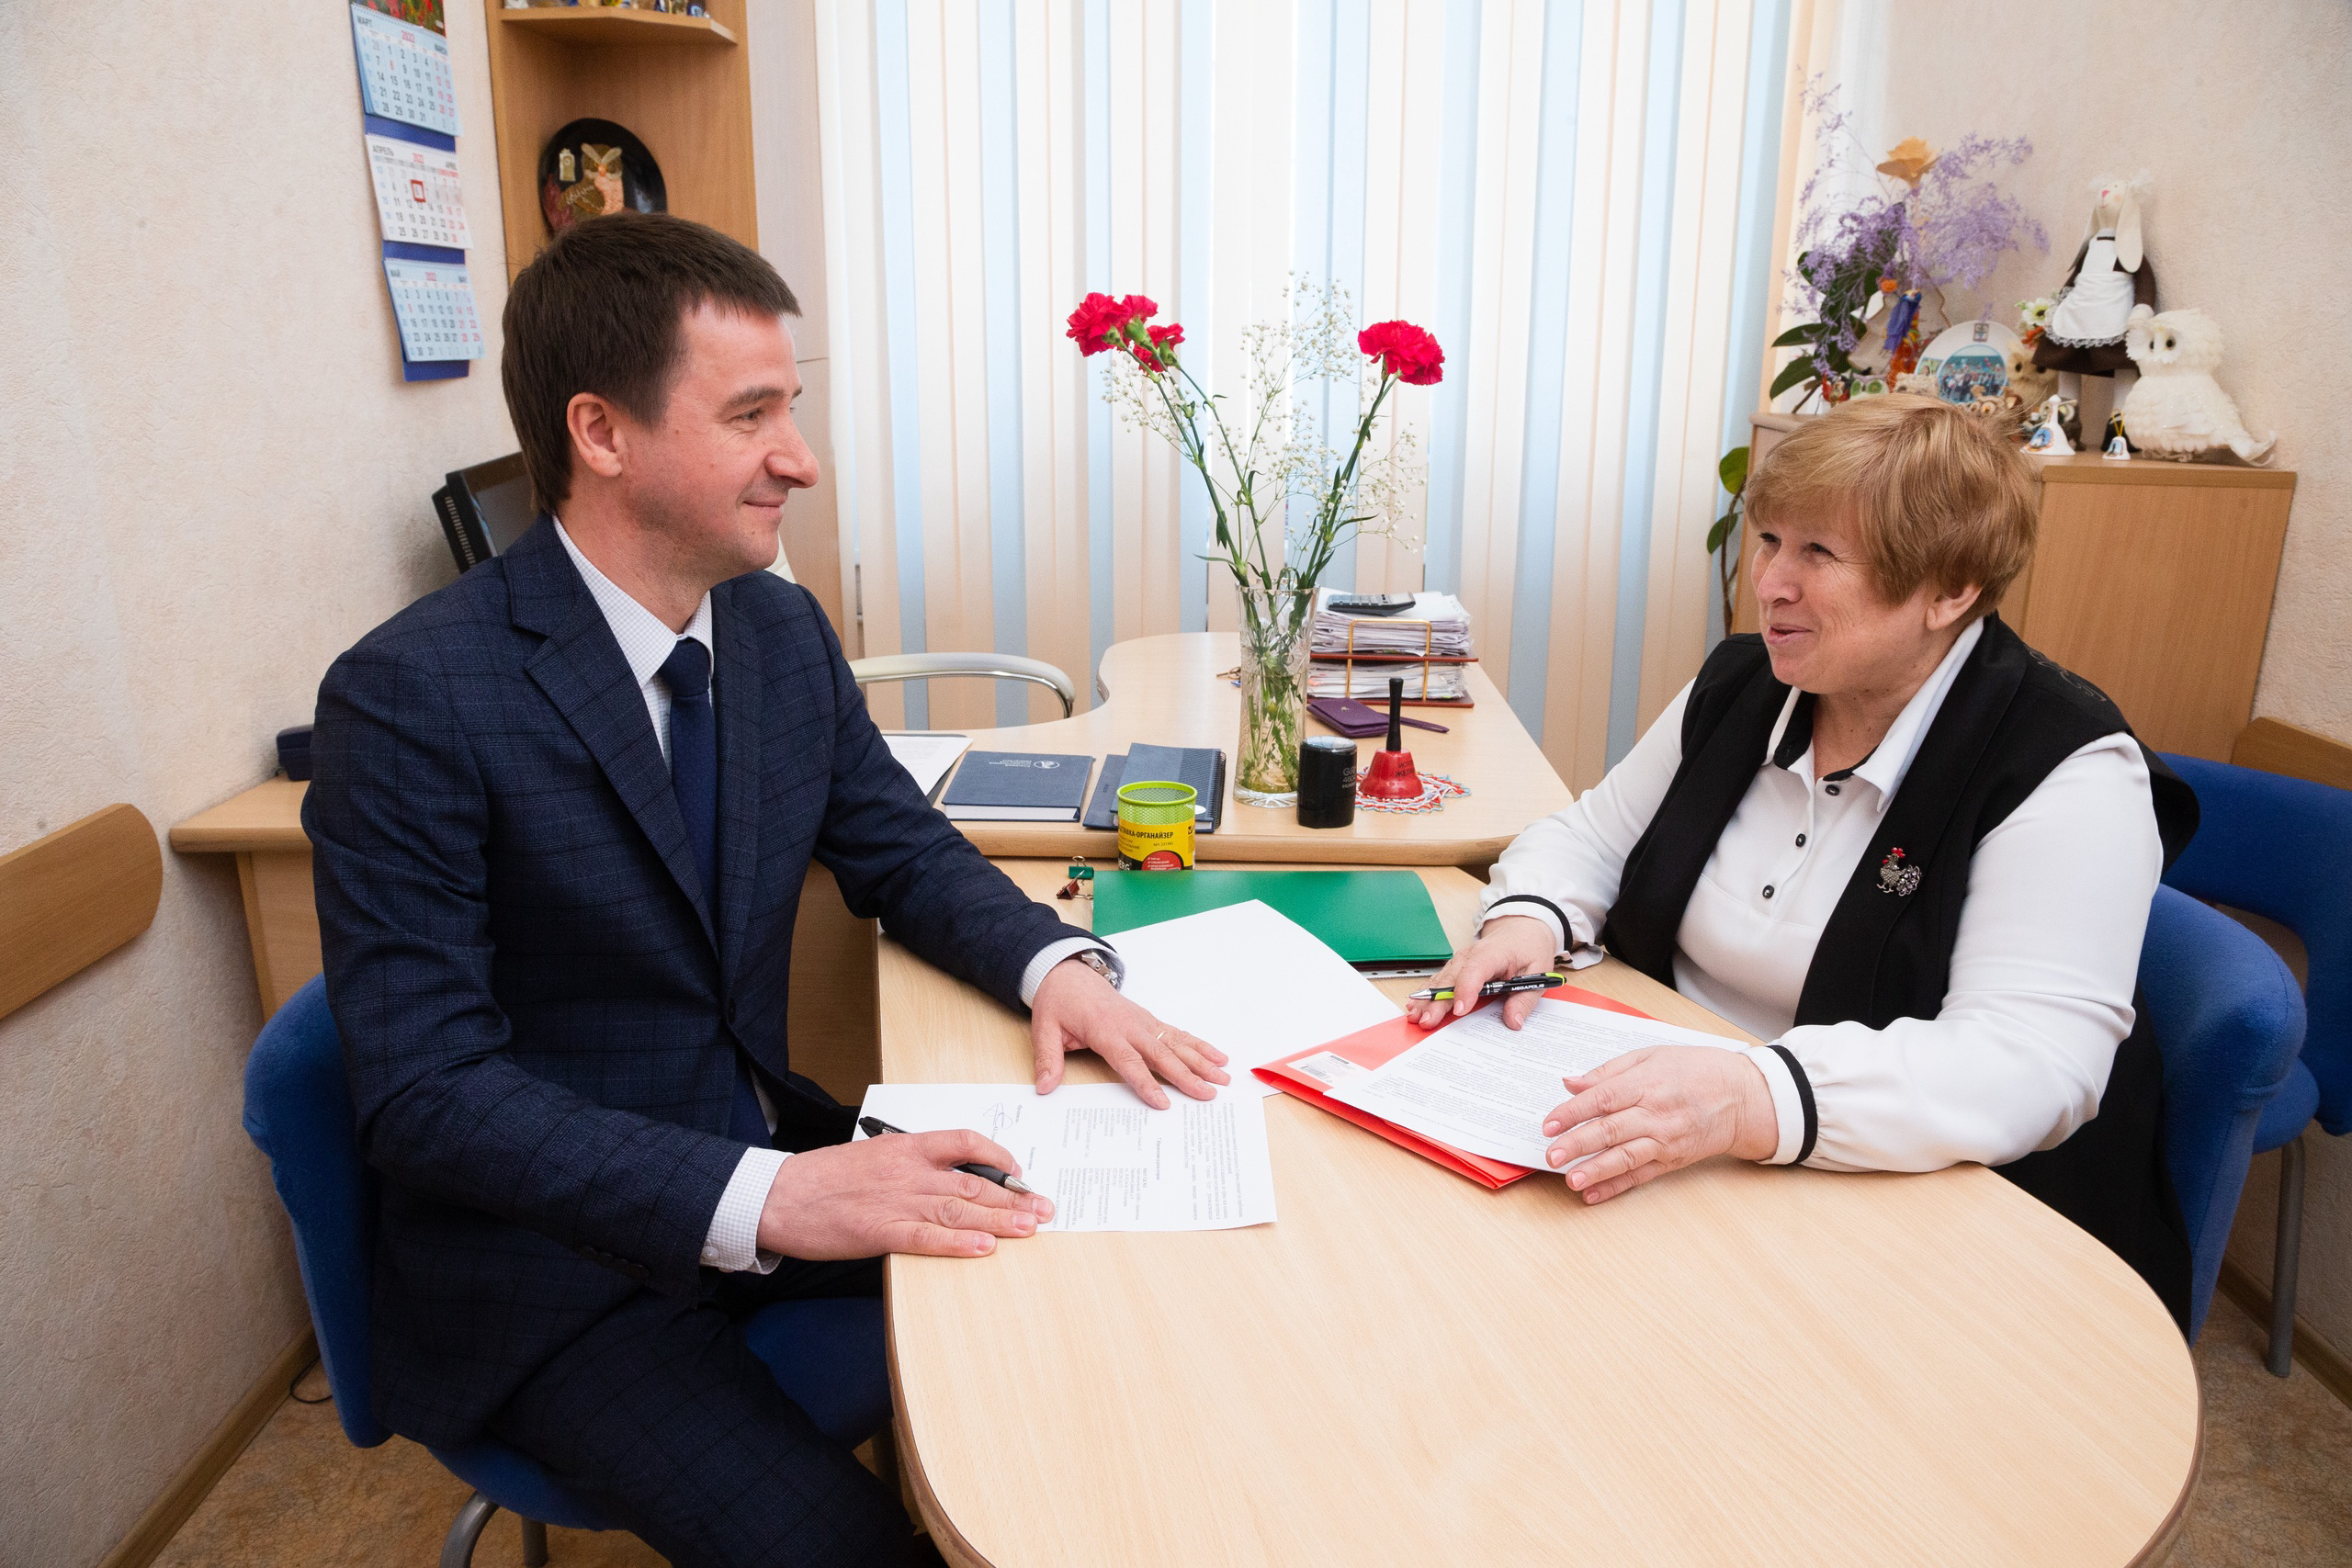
(1935, 495)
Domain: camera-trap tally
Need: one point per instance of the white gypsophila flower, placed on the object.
(1277, 478)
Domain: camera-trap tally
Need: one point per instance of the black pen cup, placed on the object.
(1326, 781)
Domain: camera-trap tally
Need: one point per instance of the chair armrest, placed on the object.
(996, 666)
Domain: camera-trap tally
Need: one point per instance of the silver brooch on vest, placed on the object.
(1895, 877)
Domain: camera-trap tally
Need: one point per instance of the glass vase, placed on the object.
(1275, 641)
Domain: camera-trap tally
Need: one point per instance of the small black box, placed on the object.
(294, 751)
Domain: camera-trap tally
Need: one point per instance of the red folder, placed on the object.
(1371, 1047)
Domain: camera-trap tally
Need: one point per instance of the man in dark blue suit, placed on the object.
(561, 811)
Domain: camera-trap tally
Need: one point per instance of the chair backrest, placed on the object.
(2229, 1021)
(2283, 848)
(298, 1110)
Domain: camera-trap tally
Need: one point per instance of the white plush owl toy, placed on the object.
(2178, 410)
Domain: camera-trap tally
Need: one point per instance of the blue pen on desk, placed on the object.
(1492, 988)
(875, 1127)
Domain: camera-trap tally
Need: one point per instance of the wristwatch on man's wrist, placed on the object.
(1092, 958)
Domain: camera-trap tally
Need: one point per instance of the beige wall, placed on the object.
(2238, 112)
(211, 481)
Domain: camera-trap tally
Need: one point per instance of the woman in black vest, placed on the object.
(1886, 837)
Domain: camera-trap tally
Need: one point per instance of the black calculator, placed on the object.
(1369, 604)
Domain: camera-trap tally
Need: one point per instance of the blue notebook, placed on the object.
(1203, 767)
(1017, 786)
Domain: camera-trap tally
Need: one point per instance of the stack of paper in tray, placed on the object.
(1429, 645)
(1369, 682)
(1447, 630)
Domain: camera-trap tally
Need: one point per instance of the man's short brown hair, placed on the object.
(603, 309)
(1934, 493)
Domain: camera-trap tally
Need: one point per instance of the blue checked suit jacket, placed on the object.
(539, 1006)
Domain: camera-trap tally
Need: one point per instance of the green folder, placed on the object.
(1375, 920)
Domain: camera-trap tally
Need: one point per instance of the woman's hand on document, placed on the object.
(1657, 1110)
(1077, 1010)
(1507, 945)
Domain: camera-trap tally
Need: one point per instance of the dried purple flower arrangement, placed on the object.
(1936, 221)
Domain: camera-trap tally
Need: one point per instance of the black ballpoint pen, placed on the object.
(1517, 982)
(875, 1127)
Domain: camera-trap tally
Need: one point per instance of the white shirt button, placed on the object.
(710, 1255)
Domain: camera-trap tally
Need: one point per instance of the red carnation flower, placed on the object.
(1097, 322)
(1139, 309)
(1168, 336)
(1405, 351)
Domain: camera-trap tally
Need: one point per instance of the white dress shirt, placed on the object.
(2042, 969)
(731, 1241)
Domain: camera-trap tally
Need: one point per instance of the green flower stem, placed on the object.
(1277, 603)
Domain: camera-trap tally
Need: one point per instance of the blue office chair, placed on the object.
(2280, 848)
(2228, 1019)
(826, 1353)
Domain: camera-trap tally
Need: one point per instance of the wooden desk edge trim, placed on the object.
(220, 829)
(202, 840)
(2162, 1544)
(959, 1553)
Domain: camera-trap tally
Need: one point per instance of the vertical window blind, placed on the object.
(1579, 200)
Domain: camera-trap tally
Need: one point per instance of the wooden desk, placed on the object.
(1164, 690)
(263, 828)
(1730, 1365)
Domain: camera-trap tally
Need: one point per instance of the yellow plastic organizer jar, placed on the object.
(1155, 826)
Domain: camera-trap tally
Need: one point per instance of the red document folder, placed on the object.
(1371, 1047)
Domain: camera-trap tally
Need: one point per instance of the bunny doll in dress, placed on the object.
(2177, 410)
(2111, 277)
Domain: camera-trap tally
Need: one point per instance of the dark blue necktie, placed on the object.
(694, 774)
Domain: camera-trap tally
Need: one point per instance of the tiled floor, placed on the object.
(2276, 1490)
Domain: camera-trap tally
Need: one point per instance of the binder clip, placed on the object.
(1081, 883)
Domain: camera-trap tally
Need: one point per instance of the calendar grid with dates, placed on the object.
(419, 198)
(434, 304)
(404, 71)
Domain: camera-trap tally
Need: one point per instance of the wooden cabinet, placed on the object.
(682, 83)
(2151, 580)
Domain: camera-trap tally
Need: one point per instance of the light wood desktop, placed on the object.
(1165, 691)
(1732, 1364)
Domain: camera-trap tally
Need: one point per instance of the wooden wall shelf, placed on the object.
(602, 24)
(691, 106)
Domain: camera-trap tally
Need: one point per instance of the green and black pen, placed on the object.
(1511, 986)
(875, 1127)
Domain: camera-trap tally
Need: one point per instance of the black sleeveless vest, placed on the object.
(2010, 718)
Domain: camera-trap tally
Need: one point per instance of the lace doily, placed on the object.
(1436, 790)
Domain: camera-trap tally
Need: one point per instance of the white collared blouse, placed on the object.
(2042, 970)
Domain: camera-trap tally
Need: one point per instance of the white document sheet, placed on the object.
(1485, 1088)
(1107, 1160)
(1251, 981)
(926, 754)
